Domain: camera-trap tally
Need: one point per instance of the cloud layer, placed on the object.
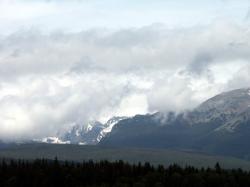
(51, 81)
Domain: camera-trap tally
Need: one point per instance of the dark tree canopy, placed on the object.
(56, 173)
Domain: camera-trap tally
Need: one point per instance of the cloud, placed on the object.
(76, 15)
(51, 81)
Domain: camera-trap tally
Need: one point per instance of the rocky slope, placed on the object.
(84, 134)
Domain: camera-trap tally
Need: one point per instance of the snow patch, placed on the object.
(109, 126)
(77, 133)
(82, 143)
(89, 128)
(248, 92)
(54, 140)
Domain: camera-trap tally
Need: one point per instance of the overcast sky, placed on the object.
(72, 61)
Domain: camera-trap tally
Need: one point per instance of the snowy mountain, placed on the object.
(225, 107)
(84, 134)
(220, 125)
(108, 126)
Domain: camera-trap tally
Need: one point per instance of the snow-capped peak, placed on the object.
(83, 134)
(109, 126)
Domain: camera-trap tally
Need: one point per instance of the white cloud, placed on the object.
(76, 15)
(49, 81)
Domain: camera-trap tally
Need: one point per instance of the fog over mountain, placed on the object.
(59, 69)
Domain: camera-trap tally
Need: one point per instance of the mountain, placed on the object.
(225, 107)
(84, 134)
(108, 126)
(220, 125)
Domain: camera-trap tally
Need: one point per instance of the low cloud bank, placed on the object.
(51, 81)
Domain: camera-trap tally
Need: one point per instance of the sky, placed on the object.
(66, 62)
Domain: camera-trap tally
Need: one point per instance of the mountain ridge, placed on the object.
(220, 125)
(83, 134)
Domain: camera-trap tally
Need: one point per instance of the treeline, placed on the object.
(54, 173)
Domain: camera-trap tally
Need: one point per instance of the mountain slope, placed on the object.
(220, 125)
(84, 134)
